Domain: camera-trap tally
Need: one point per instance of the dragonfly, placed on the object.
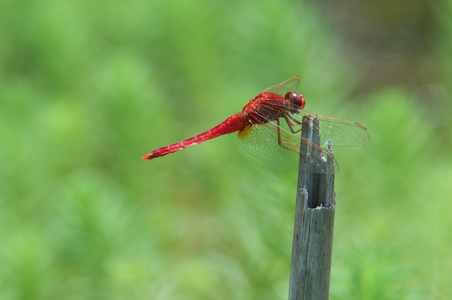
(268, 127)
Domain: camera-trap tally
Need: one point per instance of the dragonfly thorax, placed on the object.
(296, 102)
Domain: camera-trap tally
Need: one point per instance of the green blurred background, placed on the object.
(88, 87)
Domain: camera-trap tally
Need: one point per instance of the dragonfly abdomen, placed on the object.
(230, 125)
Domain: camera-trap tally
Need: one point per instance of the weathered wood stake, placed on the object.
(314, 219)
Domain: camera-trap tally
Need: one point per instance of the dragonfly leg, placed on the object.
(281, 143)
(292, 122)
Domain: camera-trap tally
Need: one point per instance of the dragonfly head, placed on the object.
(296, 101)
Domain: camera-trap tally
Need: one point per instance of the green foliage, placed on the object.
(87, 88)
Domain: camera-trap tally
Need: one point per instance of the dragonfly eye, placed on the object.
(296, 101)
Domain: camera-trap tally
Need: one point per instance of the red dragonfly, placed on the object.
(268, 125)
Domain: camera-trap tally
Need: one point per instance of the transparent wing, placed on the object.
(281, 89)
(263, 142)
(278, 142)
(339, 131)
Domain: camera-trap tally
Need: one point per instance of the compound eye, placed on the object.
(289, 96)
(296, 100)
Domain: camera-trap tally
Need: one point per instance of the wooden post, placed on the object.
(314, 219)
